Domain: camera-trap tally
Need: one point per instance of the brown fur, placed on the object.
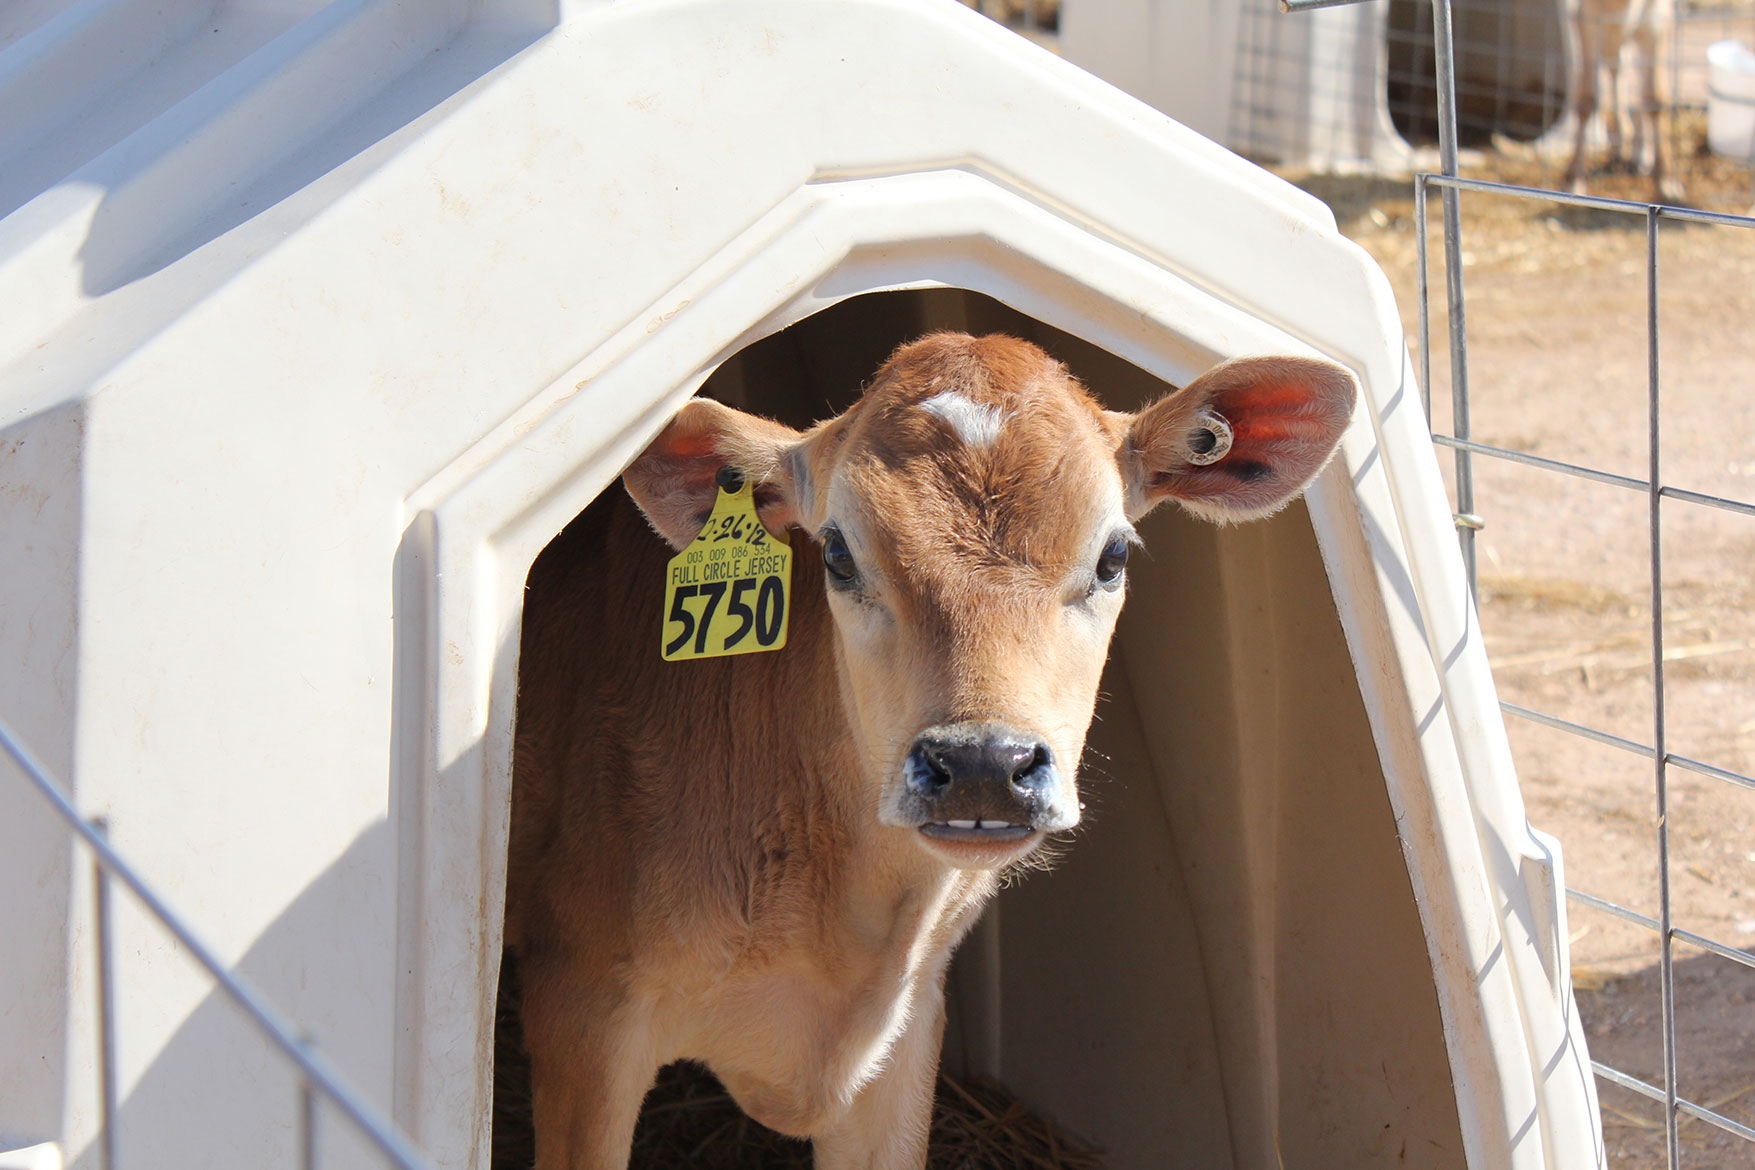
(707, 857)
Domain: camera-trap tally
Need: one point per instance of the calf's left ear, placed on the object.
(675, 480)
(1239, 441)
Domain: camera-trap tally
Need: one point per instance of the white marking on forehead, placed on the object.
(976, 423)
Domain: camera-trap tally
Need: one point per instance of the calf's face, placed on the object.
(974, 515)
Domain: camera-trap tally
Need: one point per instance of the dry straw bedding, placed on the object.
(689, 1121)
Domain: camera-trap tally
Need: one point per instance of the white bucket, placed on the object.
(1730, 105)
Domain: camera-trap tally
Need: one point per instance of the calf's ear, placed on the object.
(675, 480)
(1239, 441)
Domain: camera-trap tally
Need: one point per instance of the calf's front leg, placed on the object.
(885, 1127)
(590, 1069)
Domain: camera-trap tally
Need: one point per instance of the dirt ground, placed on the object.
(1558, 367)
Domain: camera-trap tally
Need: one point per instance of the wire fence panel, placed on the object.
(1648, 734)
(1589, 388)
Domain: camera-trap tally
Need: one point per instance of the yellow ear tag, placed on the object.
(729, 590)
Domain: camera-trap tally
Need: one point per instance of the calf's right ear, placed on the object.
(675, 480)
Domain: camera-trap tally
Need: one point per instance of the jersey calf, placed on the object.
(763, 862)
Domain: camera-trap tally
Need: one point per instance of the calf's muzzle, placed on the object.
(981, 778)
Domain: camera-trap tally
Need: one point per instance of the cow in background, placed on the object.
(1600, 29)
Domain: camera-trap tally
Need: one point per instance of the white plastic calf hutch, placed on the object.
(321, 321)
(1309, 89)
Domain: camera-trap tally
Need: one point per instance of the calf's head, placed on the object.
(974, 514)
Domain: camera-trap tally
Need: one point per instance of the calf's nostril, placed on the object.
(1012, 759)
(927, 774)
(1035, 770)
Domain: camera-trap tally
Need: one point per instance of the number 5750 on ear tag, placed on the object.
(729, 589)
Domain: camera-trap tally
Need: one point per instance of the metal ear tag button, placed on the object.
(1211, 439)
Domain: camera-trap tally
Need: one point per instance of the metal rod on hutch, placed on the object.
(1666, 935)
(307, 1113)
(1425, 293)
(106, 1017)
(1444, 51)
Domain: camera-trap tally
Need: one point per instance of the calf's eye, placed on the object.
(836, 559)
(1113, 560)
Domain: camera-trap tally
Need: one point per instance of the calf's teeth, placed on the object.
(964, 824)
